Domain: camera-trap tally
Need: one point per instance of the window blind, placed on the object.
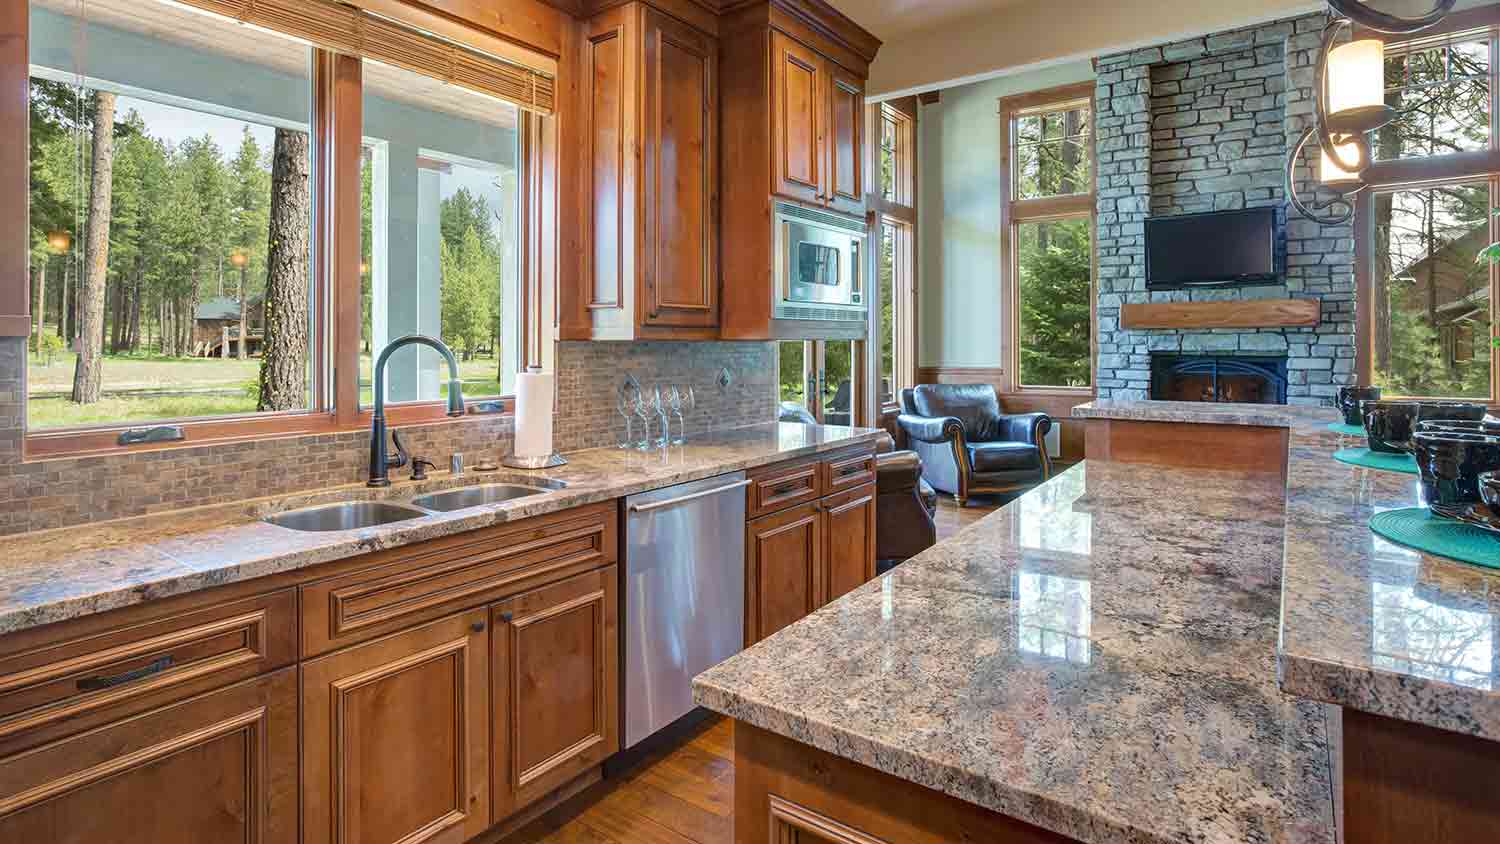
(356, 32)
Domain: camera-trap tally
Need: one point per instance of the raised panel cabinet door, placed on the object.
(394, 737)
(679, 271)
(784, 569)
(846, 142)
(797, 115)
(218, 767)
(849, 541)
(556, 673)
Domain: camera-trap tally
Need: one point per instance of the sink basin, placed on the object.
(474, 496)
(347, 516)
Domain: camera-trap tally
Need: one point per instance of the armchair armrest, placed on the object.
(897, 471)
(931, 430)
(1026, 427)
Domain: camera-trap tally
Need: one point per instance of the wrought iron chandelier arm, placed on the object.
(1341, 204)
(1389, 24)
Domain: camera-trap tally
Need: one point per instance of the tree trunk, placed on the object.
(39, 301)
(64, 312)
(283, 362)
(244, 305)
(87, 371)
(137, 292)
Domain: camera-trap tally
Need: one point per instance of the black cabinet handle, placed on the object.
(94, 684)
(477, 627)
(506, 617)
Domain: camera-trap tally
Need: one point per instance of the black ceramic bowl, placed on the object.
(1462, 410)
(1350, 399)
(1451, 464)
(1489, 490)
(1489, 425)
(1390, 424)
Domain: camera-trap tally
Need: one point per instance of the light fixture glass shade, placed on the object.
(1356, 76)
(1329, 171)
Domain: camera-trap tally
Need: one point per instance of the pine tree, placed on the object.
(283, 364)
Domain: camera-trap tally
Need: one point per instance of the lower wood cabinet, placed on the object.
(395, 737)
(556, 674)
(218, 767)
(805, 556)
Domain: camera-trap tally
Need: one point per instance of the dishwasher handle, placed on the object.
(657, 505)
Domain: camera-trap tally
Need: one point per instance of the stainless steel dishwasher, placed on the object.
(684, 594)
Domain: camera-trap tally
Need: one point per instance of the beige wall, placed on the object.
(959, 209)
(1036, 33)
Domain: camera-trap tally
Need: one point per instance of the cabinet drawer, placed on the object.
(783, 485)
(848, 472)
(425, 581)
(84, 680)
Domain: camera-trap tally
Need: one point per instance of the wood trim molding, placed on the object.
(961, 375)
(15, 171)
(1259, 313)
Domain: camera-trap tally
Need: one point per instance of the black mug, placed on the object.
(1349, 402)
(1451, 464)
(1390, 424)
(1460, 410)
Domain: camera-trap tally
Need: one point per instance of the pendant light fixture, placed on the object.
(1349, 103)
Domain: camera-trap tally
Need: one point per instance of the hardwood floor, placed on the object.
(682, 796)
(951, 518)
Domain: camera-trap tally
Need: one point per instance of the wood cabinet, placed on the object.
(810, 537)
(395, 737)
(793, 102)
(218, 767)
(817, 120)
(556, 674)
(652, 136)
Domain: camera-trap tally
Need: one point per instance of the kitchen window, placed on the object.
(1426, 290)
(218, 289)
(894, 328)
(1048, 231)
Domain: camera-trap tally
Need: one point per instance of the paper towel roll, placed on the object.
(534, 414)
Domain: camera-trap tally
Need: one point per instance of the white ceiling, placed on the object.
(888, 19)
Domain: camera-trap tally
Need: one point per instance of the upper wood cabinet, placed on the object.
(652, 137)
(817, 128)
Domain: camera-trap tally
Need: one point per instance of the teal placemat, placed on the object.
(1376, 460)
(1419, 529)
(1351, 430)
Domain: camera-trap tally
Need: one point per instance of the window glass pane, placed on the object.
(1051, 153)
(793, 378)
(890, 242)
(196, 130)
(1432, 302)
(838, 382)
(1443, 92)
(889, 134)
(1055, 300)
(441, 234)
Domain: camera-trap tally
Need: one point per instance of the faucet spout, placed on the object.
(380, 463)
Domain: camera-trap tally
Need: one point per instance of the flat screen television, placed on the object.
(1218, 249)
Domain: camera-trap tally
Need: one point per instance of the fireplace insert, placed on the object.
(1217, 378)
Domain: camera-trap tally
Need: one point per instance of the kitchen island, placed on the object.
(1139, 651)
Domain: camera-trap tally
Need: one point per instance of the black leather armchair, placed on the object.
(968, 446)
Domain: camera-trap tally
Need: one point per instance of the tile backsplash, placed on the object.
(77, 490)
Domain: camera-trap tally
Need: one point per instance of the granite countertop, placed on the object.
(1098, 658)
(1366, 624)
(55, 575)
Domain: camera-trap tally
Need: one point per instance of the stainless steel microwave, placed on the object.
(819, 266)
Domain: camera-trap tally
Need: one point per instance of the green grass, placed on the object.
(145, 388)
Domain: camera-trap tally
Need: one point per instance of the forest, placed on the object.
(132, 232)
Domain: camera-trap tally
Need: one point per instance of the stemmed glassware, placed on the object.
(659, 407)
(642, 407)
(629, 395)
(675, 400)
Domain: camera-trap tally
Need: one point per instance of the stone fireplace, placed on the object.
(1205, 125)
(1216, 378)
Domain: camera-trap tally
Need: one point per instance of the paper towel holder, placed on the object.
(513, 461)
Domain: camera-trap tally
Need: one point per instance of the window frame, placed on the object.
(900, 212)
(336, 128)
(1426, 172)
(1016, 212)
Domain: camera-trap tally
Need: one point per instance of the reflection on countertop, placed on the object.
(60, 574)
(1098, 658)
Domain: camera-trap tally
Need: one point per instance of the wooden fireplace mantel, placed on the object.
(1255, 313)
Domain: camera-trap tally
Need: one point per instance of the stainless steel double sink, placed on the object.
(352, 515)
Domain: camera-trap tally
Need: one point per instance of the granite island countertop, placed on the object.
(67, 573)
(1365, 624)
(1098, 659)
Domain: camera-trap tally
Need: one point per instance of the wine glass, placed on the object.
(642, 407)
(626, 407)
(674, 402)
(659, 408)
(689, 403)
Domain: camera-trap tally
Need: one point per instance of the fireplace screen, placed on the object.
(1218, 379)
